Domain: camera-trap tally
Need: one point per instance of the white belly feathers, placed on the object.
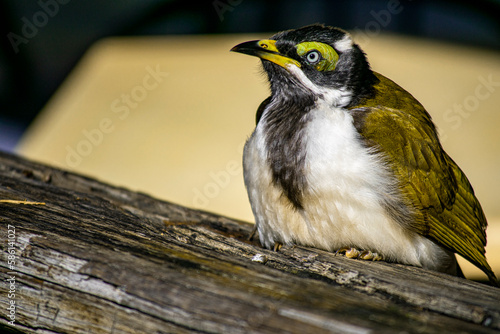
(342, 198)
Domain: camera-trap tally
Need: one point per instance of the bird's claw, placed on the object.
(354, 253)
(369, 255)
(277, 246)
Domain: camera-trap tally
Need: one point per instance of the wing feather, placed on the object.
(446, 209)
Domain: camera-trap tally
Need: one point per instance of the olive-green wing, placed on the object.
(446, 208)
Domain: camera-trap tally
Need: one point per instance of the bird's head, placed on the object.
(314, 59)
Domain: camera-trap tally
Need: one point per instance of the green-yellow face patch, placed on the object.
(322, 56)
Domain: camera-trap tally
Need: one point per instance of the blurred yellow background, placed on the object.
(168, 116)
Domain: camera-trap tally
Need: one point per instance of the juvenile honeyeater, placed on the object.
(343, 159)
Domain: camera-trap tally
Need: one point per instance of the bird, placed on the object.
(345, 160)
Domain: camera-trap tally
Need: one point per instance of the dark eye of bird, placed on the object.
(313, 57)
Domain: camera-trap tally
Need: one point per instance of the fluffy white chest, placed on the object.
(342, 198)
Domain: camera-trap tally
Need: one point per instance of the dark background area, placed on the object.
(43, 40)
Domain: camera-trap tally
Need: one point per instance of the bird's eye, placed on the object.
(319, 55)
(313, 57)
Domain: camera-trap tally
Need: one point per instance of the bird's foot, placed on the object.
(369, 255)
(354, 253)
(277, 246)
(349, 252)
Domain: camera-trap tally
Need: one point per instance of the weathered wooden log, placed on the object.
(87, 257)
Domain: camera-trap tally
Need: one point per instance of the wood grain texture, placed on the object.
(100, 259)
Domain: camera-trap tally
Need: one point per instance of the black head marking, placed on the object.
(286, 113)
(352, 72)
